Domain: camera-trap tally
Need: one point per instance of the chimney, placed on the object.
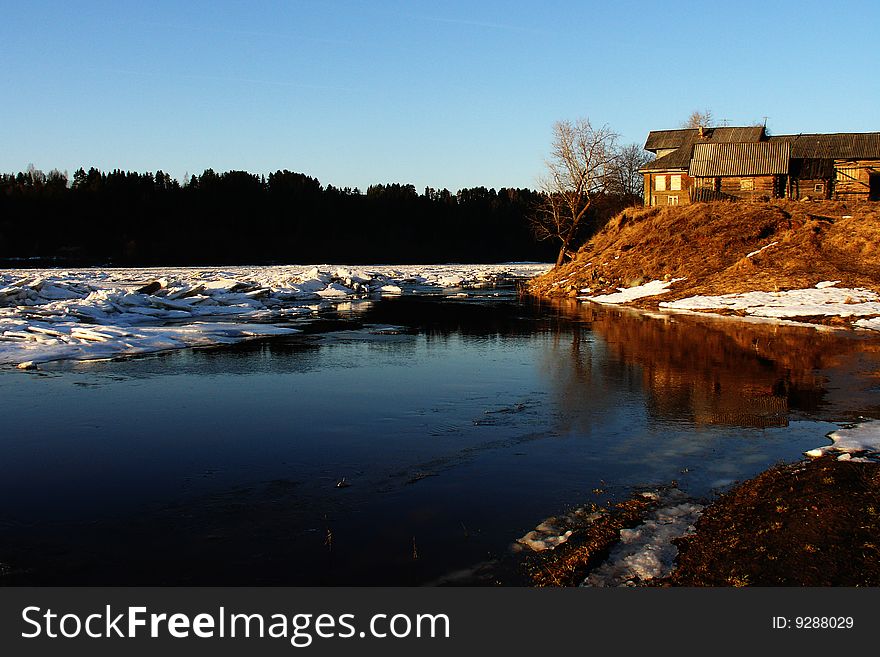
(702, 132)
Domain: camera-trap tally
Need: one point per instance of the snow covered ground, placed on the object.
(646, 551)
(857, 443)
(627, 294)
(83, 314)
(823, 300)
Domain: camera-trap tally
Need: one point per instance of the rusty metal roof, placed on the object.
(761, 158)
(835, 146)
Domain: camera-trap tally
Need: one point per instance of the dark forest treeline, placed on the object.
(128, 218)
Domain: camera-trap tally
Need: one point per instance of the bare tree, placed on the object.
(699, 119)
(626, 180)
(579, 167)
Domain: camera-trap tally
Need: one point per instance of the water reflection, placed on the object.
(718, 371)
(460, 423)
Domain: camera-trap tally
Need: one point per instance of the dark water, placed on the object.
(456, 432)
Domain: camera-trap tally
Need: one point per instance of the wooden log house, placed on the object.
(744, 163)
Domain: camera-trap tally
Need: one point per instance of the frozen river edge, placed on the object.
(88, 314)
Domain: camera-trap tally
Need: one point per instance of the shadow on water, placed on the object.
(394, 441)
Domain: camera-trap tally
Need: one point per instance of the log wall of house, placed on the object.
(853, 178)
(807, 188)
(667, 196)
(708, 183)
(761, 187)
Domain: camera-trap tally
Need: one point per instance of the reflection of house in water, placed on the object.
(709, 370)
(748, 408)
(719, 399)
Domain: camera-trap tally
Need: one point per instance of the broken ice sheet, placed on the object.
(49, 315)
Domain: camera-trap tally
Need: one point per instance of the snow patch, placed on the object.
(647, 551)
(625, 295)
(543, 538)
(754, 253)
(555, 531)
(872, 324)
(858, 443)
(825, 301)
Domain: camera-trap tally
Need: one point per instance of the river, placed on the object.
(399, 440)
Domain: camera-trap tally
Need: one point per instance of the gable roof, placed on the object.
(761, 158)
(663, 139)
(678, 159)
(684, 141)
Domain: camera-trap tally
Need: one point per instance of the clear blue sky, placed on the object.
(445, 94)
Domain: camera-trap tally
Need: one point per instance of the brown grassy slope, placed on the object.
(707, 243)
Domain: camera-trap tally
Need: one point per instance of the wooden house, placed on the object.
(668, 180)
(701, 164)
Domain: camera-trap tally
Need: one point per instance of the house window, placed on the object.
(746, 183)
(660, 183)
(819, 187)
(675, 182)
(672, 200)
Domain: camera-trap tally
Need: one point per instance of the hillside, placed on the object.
(725, 248)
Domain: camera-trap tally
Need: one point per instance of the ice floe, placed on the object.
(48, 315)
(555, 531)
(824, 300)
(627, 294)
(858, 443)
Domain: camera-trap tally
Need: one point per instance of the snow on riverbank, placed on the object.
(627, 294)
(824, 300)
(83, 314)
(643, 552)
(862, 440)
(646, 551)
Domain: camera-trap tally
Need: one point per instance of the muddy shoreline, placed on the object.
(810, 523)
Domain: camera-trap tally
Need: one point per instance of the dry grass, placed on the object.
(707, 243)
